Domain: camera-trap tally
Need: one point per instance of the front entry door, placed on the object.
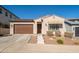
(39, 27)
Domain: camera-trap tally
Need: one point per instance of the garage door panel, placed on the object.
(23, 29)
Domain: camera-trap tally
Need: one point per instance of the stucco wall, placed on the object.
(68, 28)
(5, 19)
(50, 20)
(73, 28)
(45, 23)
(53, 20)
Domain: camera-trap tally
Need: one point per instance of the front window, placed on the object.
(55, 26)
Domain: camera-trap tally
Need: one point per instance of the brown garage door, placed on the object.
(23, 29)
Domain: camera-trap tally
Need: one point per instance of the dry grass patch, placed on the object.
(49, 40)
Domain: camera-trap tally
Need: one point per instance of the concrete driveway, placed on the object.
(6, 42)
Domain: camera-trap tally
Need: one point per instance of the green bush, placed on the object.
(59, 41)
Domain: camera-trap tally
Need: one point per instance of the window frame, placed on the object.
(54, 26)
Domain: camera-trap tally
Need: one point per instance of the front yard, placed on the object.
(65, 40)
(55, 40)
(33, 39)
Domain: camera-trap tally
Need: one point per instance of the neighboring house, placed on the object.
(5, 17)
(41, 25)
(72, 25)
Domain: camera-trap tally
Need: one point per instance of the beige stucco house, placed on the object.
(40, 25)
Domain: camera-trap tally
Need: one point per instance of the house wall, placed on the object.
(35, 28)
(51, 20)
(5, 19)
(45, 22)
(73, 27)
(69, 28)
(35, 25)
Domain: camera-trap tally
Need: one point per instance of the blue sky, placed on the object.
(36, 11)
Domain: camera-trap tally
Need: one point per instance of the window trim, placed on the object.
(54, 26)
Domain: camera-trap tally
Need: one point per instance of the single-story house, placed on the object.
(40, 25)
(72, 25)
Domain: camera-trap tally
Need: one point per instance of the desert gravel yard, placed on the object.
(66, 41)
(33, 39)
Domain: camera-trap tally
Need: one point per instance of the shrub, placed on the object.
(50, 33)
(59, 41)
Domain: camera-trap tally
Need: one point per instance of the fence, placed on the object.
(4, 31)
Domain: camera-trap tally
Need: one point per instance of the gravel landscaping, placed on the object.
(66, 41)
(33, 39)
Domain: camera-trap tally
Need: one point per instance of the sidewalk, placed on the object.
(22, 47)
